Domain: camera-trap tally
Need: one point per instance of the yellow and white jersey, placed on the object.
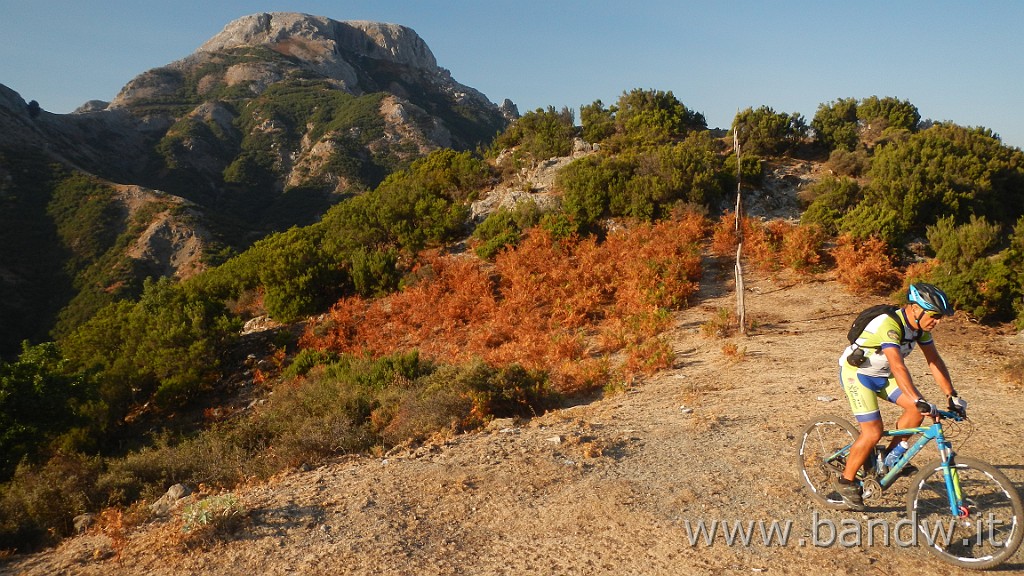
(884, 332)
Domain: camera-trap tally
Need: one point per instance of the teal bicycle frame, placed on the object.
(928, 433)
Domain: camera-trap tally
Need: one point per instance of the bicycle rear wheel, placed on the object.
(819, 440)
(991, 526)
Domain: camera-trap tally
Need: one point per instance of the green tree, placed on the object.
(375, 272)
(769, 133)
(835, 124)
(598, 122)
(644, 182)
(958, 247)
(541, 134)
(503, 227)
(38, 402)
(980, 279)
(890, 113)
(869, 219)
(297, 276)
(165, 348)
(651, 117)
(424, 204)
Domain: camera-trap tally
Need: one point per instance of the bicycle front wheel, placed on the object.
(818, 442)
(989, 527)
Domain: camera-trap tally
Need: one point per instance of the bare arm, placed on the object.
(938, 368)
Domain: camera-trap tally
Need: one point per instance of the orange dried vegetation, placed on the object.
(556, 305)
(772, 245)
(866, 266)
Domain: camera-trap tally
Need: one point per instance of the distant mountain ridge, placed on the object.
(263, 127)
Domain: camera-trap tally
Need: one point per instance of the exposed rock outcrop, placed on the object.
(317, 38)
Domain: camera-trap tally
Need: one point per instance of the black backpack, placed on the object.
(865, 318)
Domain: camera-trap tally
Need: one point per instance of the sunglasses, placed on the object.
(931, 314)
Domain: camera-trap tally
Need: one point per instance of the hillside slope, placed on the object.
(266, 126)
(607, 487)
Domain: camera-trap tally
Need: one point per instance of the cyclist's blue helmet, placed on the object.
(930, 298)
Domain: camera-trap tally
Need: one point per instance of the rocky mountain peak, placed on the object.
(318, 38)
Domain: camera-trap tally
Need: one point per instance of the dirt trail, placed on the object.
(608, 487)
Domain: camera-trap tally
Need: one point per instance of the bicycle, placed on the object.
(981, 509)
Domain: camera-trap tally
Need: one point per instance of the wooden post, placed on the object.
(741, 312)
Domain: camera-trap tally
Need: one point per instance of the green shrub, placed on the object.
(39, 401)
(845, 163)
(497, 231)
(947, 170)
(830, 199)
(752, 173)
(983, 282)
(541, 134)
(375, 273)
(598, 122)
(306, 360)
(888, 113)
(38, 505)
(869, 220)
(766, 132)
(653, 117)
(164, 347)
(643, 183)
(959, 247)
(211, 514)
(835, 124)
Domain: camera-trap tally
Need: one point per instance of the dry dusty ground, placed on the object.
(607, 487)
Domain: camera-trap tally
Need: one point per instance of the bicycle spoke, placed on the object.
(818, 442)
(990, 530)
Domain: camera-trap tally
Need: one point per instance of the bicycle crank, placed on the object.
(872, 490)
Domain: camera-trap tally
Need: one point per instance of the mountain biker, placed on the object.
(881, 373)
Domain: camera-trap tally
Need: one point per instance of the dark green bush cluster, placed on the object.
(946, 170)
(413, 208)
(40, 401)
(643, 182)
(765, 132)
(38, 506)
(291, 269)
(854, 164)
(640, 118)
(541, 134)
(164, 348)
(846, 123)
(981, 272)
(830, 198)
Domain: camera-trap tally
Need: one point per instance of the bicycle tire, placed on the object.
(994, 527)
(818, 439)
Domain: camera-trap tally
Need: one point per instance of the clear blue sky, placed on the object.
(957, 61)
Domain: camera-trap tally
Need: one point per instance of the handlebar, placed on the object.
(949, 415)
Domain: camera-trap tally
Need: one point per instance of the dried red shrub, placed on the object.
(866, 266)
(549, 304)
